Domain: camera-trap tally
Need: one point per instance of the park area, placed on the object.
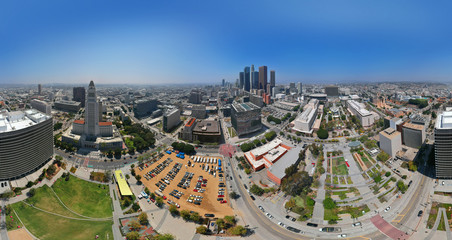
(338, 166)
(75, 208)
(172, 180)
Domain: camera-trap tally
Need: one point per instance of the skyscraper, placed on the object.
(255, 80)
(92, 112)
(252, 77)
(272, 78)
(222, 83)
(263, 77)
(299, 88)
(39, 89)
(242, 80)
(443, 146)
(247, 79)
(78, 95)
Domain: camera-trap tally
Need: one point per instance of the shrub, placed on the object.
(329, 203)
(256, 190)
(201, 229)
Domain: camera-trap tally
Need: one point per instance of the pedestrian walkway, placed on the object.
(441, 213)
(318, 213)
(3, 231)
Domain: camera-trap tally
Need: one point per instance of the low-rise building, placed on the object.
(41, 106)
(303, 123)
(198, 111)
(68, 106)
(266, 155)
(365, 117)
(390, 141)
(205, 131)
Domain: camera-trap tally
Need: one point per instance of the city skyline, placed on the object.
(195, 43)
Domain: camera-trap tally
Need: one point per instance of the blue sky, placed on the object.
(160, 42)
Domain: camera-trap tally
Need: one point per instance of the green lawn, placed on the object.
(299, 201)
(335, 180)
(128, 142)
(339, 167)
(12, 221)
(83, 197)
(49, 227)
(80, 196)
(231, 131)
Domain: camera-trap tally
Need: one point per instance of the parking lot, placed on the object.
(194, 183)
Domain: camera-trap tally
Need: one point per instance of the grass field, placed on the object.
(80, 196)
(12, 221)
(86, 198)
(339, 167)
(231, 132)
(49, 227)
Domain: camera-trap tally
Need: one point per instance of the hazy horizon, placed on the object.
(181, 42)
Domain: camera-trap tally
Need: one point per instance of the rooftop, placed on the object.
(390, 133)
(12, 121)
(207, 126)
(66, 102)
(413, 126)
(278, 169)
(265, 148)
(244, 107)
(359, 107)
(444, 121)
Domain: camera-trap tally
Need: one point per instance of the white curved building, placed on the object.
(26, 143)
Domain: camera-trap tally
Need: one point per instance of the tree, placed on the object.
(387, 174)
(256, 190)
(201, 229)
(270, 135)
(297, 183)
(195, 217)
(238, 230)
(51, 170)
(291, 170)
(173, 210)
(138, 177)
(31, 192)
(135, 206)
(165, 236)
(401, 186)
(233, 195)
(434, 115)
(133, 235)
(220, 223)
(382, 156)
(143, 218)
(29, 184)
(230, 220)
(310, 202)
(185, 214)
(322, 133)
(159, 201)
(329, 203)
(135, 225)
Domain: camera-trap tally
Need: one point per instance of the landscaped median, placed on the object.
(75, 208)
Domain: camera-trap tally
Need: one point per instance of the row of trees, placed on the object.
(182, 147)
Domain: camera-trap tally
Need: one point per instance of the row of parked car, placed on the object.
(177, 194)
(186, 180)
(196, 199)
(202, 182)
(169, 177)
(154, 172)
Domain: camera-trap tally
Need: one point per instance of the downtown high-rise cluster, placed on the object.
(257, 81)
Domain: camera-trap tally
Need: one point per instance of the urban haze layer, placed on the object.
(150, 121)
